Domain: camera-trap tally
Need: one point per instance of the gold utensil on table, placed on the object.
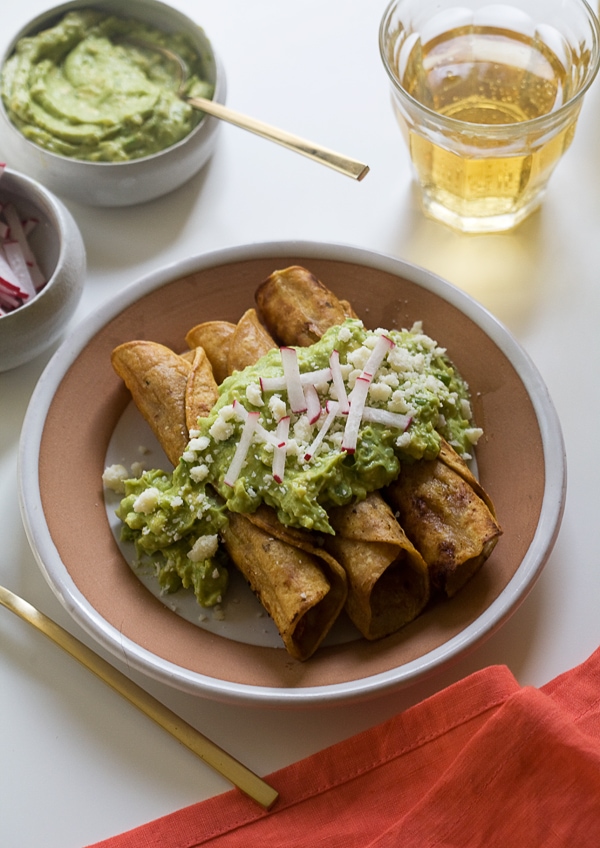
(240, 776)
(343, 164)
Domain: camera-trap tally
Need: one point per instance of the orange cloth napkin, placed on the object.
(485, 762)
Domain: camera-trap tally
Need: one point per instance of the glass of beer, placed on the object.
(488, 96)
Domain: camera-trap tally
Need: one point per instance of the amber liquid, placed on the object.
(486, 76)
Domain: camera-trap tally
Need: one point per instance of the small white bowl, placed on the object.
(60, 253)
(137, 180)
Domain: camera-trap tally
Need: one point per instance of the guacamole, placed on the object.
(369, 401)
(81, 89)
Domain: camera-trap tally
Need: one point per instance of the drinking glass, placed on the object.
(488, 96)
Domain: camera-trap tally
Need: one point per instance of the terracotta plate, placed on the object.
(79, 403)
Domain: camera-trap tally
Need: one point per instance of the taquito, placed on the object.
(388, 581)
(300, 585)
(445, 513)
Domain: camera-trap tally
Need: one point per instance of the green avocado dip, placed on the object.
(253, 448)
(81, 90)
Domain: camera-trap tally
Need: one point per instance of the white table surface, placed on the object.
(78, 763)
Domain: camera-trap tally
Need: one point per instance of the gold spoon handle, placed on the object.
(349, 167)
(224, 763)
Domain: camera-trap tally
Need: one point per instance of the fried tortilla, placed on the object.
(215, 338)
(297, 308)
(201, 391)
(388, 583)
(388, 579)
(249, 341)
(445, 517)
(157, 379)
(301, 587)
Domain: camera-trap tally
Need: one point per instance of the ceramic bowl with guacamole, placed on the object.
(92, 105)
(36, 303)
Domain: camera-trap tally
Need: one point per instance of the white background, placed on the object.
(77, 763)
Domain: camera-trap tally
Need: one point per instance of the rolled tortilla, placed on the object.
(301, 587)
(388, 582)
(444, 512)
(215, 338)
(297, 308)
(388, 579)
(250, 341)
(157, 379)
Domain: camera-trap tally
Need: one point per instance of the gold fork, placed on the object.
(230, 768)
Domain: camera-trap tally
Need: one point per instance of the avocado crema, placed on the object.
(82, 90)
(415, 397)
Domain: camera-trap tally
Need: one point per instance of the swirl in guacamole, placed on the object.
(303, 430)
(82, 90)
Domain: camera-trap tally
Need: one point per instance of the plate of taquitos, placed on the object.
(81, 402)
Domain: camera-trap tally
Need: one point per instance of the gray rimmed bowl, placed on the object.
(59, 250)
(137, 180)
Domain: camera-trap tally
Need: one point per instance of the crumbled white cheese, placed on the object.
(137, 469)
(199, 473)
(114, 477)
(254, 394)
(147, 501)
(473, 434)
(379, 392)
(277, 407)
(204, 548)
(223, 427)
(198, 443)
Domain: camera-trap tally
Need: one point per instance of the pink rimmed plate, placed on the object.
(80, 418)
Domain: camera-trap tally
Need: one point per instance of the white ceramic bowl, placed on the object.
(138, 180)
(520, 461)
(60, 253)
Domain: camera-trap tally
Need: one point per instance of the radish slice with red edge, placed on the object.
(393, 420)
(382, 346)
(279, 384)
(338, 381)
(260, 432)
(241, 451)
(358, 398)
(17, 234)
(333, 409)
(18, 264)
(291, 371)
(279, 453)
(313, 403)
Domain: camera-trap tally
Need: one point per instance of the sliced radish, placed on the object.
(18, 264)
(7, 273)
(241, 451)
(261, 432)
(17, 233)
(358, 398)
(29, 225)
(313, 403)
(279, 454)
(278, 384)
(382, 346)
(394, 420)
(338, 381)
(291, 372)
(332, 410)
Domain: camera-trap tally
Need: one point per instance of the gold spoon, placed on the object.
(248, 782)
(343, 164)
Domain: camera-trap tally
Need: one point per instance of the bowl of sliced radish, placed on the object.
(42, 268)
